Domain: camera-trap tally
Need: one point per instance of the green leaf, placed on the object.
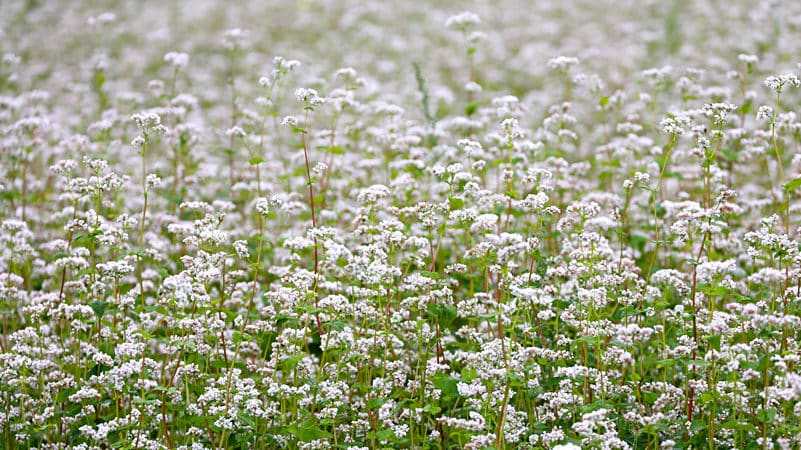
(309, 431)
(428, 274)
(456, 203)
(337, 325)
(219, 364)
(446, 384)
(470, 109)
(709, 289)
(793, 185)
(334, 150)
(445, 314)
(747, 107)
(603, 101)
(290, 363)
(255, 161)
(764, 363)
(98, 79)
(729, 155)
(239, 337)
(714, 341)
(99, 307)
(385, 435)
(469, 375)
(698, 425)
(766, 415)
(637, 241)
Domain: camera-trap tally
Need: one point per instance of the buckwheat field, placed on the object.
(357, 225)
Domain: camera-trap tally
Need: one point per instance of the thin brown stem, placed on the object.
(314, 222)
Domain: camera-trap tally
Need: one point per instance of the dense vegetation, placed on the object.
(555, 226)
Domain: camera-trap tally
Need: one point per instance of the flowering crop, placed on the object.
(521, 225)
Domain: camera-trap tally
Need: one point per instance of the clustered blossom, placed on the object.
(309, 96)
(562, 63)
(146, 120)
(463, 20)
(778, 82)
(675, 125)
(764, 112)
(177, 59)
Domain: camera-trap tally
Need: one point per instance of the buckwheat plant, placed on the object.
(485, 225)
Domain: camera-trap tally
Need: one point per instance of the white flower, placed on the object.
(152, 181)
(235, 131)
(234, 38)
(562, 63)
(462, 20)
(115, 269)
(283, 66)
(290, 121)
(241, 248)
(476, 36)
(764, 112)
(146, 120)
(309, 96)
(101, 19)
(657, 76)
(319, 168)
(674, 125)
(138, 142)
(373, 193)
(778, 82)
(472, 87)
(568, 446)
(748, 59)
(11, 59)
(718, 111)
(177, 59)
(348, 73)
(469, 147)
(262, 206)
